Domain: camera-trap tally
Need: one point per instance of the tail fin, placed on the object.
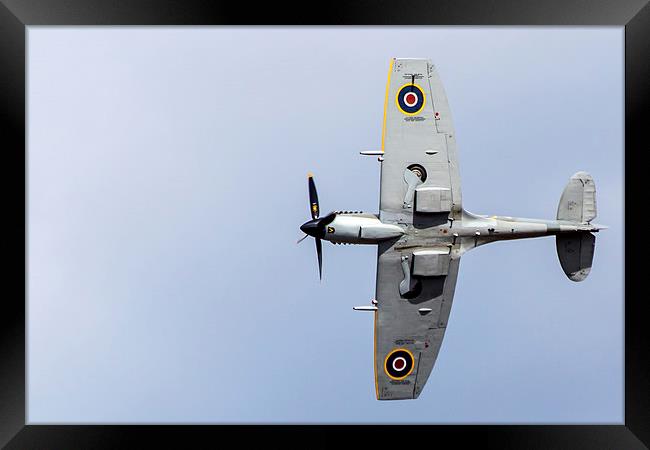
(577, 204)
(578, 201)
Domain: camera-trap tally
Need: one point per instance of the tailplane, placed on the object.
(577, 204)
(576, 252)
(578, 201)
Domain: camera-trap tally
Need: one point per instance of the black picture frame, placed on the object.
(16, 15)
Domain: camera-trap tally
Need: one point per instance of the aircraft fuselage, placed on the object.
(363, 228)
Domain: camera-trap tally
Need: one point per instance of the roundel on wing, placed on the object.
(410, 99)
(399, 364)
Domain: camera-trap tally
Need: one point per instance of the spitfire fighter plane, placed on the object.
(422, 229)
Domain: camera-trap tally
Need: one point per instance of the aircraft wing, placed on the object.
(408, 332)
(420, 190)
(417, 130)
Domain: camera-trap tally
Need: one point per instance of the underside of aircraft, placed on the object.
(422, 229)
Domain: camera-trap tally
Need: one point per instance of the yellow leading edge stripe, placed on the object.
(375, 357)
(383, 128)
(383, 138)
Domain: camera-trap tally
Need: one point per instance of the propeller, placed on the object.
(313, 197)
(317, 225)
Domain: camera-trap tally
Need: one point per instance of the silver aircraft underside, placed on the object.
(422, 229)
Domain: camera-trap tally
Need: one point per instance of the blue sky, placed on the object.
(166, 185)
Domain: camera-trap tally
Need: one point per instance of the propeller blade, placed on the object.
(302, 239)
(319, 251)
(313, 197)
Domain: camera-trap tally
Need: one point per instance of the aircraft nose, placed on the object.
(310, 228)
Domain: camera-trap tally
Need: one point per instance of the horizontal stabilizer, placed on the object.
(576, 253)
(578, 201)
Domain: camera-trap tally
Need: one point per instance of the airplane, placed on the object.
(422, 229)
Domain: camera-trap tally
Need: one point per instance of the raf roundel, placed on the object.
(399, 364)
(410, 99)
